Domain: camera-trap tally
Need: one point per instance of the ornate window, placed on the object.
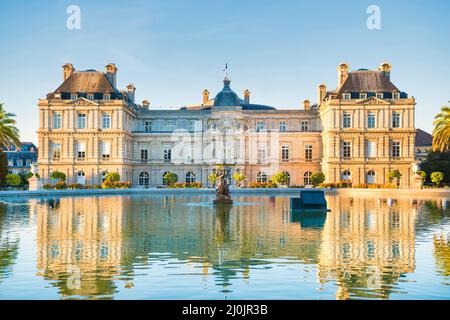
(346, 175)
(363, 95)
(396, 95)
(282, 126)
(81, 150)
(144, 179)
(260, 126)
(90, 96)
(261, 177)
(379, 95)
(371, 120)
(346, 149)
(106, 150)
(144, 154)
(106, 96)
(371, 177)
(106, 121)
(307, 178)
(347, 120)
(81, 121)
(167, 154)
(190, 177)
(346, 96)
(73, 96)
(57, 120)
(81, 177)
(308, 152)
(304, 125)
(371, 149)
(395, 149)
(395, 120)
(285, 153)
(56, 150)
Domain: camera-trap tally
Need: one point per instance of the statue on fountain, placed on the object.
(222, 190)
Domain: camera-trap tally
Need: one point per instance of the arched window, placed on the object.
(261, 177)
(371, 177)
(190, 177)
(144, 179)
(104, 174)
(307, 178)
(81, 177)
(288, 182)
(346, 175)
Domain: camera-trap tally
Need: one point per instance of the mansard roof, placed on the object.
(89, 81)
(423, 138)
(366, 81)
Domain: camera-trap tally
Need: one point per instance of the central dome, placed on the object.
(227, 97)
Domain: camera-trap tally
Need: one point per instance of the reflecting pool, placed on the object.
(179, 247)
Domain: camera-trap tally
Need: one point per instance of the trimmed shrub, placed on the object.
(74, 186)
(436, 177)
(269, 184)
(57, 175)
(13, 180)
(170, 178)
(317, 178)
(112, 177)
(281, 178)
(60, 186)
(185, 185)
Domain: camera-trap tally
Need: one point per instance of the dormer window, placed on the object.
(106, 96)
(380, 95)
(396, 95)
(90, 96)
(73, 96)
(363, 95)
(346, 96)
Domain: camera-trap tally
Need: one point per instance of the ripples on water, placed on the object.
(159, 247)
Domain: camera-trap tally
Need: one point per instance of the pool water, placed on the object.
(176, 247)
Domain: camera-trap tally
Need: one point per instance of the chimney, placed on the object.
(131, 89)
(68, 69)
(205, 97)
(321, 93)
(247, 96)
(385, 69)
(342, 73)
(111, 73)
(307, 105)
(145, 104)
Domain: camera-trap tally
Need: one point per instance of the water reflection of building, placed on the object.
(364, 247)
(367, 245)
(81, 237)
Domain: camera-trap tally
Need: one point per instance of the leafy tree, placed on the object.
(57, 175)
(394, 175)
(441, 131)
(239, 177)
(213, 178)
(317, 178)
(281, 178)
(9, 134)
(437, 161)
(437, 177)
(170, 179)
(112, 177)
(13, 180)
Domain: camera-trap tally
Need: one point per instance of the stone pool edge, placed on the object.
(275, 191)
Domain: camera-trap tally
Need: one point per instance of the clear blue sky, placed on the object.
(172, 50)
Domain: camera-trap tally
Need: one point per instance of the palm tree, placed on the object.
(441, 131)
(9, 133)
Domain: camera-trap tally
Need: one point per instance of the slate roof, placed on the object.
(366, 81)
(227, 97)
(27, 151)
(89, 81)
(423, 138)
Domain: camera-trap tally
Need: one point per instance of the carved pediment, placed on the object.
(374, 100)
(82, 102)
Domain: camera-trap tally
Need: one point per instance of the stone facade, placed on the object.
(88, 128)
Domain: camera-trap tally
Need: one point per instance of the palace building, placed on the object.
(358, 132)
